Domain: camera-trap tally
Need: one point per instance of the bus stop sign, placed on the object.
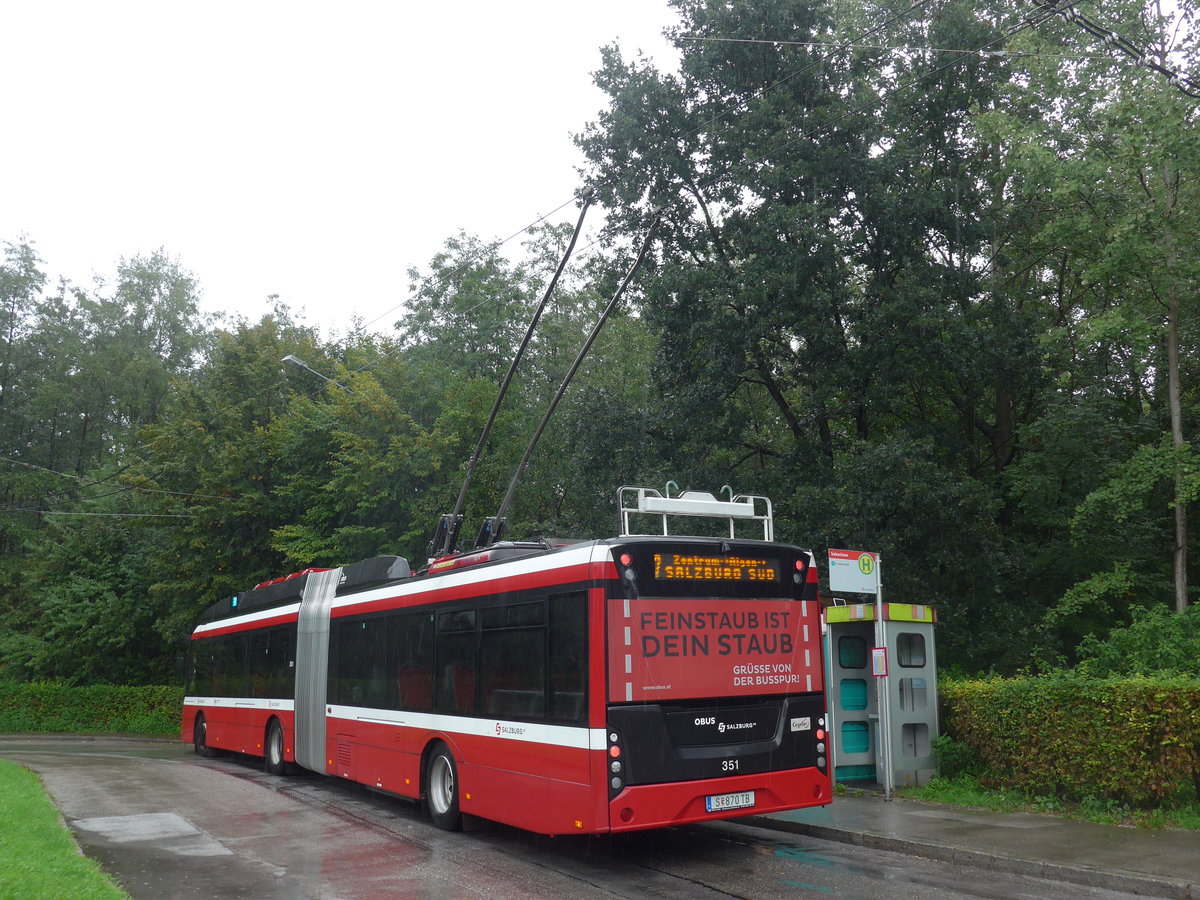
(856, 571)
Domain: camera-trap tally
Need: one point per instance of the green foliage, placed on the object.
(1132, 741)
(38, 856)
(1125, 494)
(49, 706)
(1158, 641)
(954, 758)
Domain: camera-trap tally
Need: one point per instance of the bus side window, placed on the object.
(411, 642)
(281, 681)
(260, 664)
(201, 668)
(356, 672)
(230, 672)
(568, 657)
(220, 666)
(512, 660)
(346, 677)
(456, 657)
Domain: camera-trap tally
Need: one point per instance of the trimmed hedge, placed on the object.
(49, 706)
(1132, 740)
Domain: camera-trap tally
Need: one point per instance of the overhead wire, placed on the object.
(895, 48)
(109, 515)
(1182, 81)
(126, 488)
(516, 234)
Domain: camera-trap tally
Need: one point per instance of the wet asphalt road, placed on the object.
(167, 824)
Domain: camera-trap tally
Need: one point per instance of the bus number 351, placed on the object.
(729, 765)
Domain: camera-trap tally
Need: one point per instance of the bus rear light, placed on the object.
(820, 734)
(615, 766)
(627, 815)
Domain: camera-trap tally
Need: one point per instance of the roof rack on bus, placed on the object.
(697, 504)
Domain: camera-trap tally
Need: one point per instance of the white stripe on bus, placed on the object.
(579, 737)
(242, 703)
(250, 618)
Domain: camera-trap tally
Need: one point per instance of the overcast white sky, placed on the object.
(314, 151)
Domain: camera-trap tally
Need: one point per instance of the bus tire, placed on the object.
(200, 738)
(273, 759)
(441, 788)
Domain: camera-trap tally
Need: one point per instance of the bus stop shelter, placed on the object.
(903, 676)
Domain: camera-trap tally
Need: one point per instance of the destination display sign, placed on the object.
(697, 567)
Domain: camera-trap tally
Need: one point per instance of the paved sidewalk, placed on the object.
(1134, 860)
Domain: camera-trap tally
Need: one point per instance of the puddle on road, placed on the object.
(165, 831)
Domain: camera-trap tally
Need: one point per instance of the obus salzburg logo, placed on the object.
(723, 726)
(509, 729)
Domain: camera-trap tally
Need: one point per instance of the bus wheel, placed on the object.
(441, 788)
(273, 758)
(199, 738)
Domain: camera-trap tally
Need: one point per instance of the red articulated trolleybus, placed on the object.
(600, 686)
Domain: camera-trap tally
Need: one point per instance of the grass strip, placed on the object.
(965, 790)
(38, 856)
